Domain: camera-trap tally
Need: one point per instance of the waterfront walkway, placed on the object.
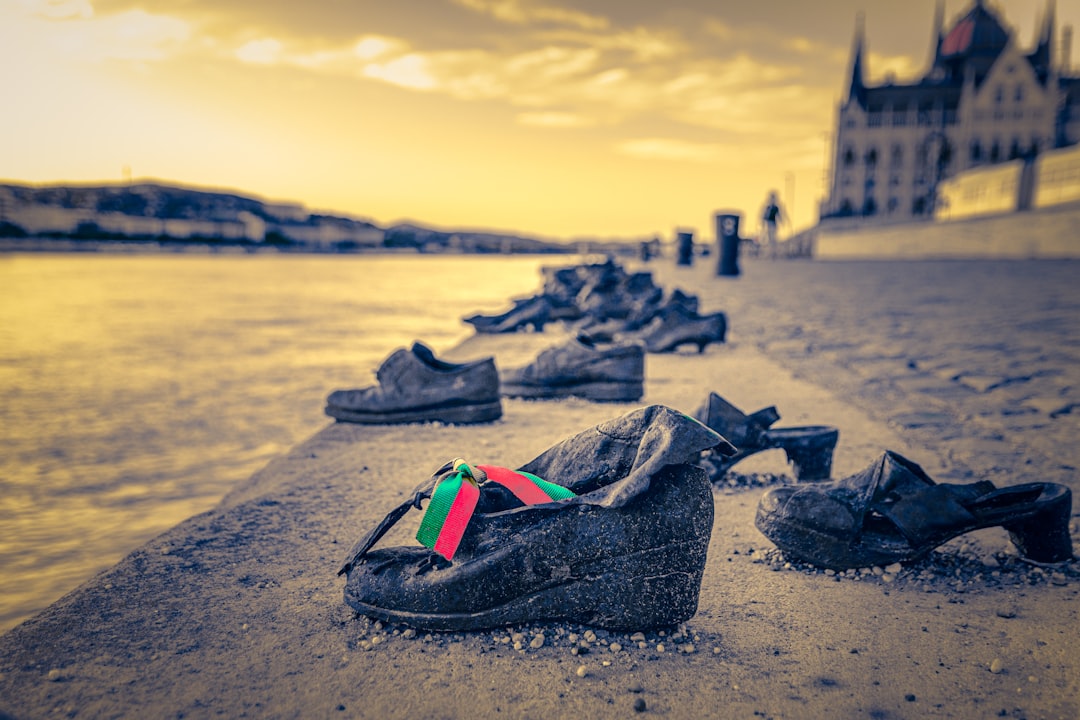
(969, 369)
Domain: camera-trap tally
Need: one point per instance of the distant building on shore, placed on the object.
(983, 101)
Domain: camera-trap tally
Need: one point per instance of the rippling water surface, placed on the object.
(135, 391)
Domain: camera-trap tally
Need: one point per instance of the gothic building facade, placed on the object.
(983, 100)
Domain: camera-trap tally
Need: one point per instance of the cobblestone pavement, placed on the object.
(978, 361)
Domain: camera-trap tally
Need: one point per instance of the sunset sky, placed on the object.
(556, 118)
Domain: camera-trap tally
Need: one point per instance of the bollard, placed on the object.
(685, 241)
(727, 237)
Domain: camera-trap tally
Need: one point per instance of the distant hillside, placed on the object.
(150, 211)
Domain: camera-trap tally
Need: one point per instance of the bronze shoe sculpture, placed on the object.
(893, 512)
(624, 549)
(581, 368)
(809, 448)
(415, 386)
(677, 326)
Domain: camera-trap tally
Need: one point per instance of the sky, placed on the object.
(559, 119)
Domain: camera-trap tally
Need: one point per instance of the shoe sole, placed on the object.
(611, 599)
(456, 414)
(600, 391)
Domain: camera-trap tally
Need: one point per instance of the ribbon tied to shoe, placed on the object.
(457, 491)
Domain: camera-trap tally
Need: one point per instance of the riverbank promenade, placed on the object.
(969, 368)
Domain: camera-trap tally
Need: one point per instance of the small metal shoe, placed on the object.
(581, 368)
(893, 512)
(535, 311)
(677, 326)
(415, 386)
(809, 448)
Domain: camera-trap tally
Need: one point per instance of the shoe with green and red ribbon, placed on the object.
(457, 491)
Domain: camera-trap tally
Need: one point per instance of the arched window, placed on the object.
(849, 156)
(871, 157)
(1014, 149)
(995, 152)
(976, 151)
(869, 206)
(1018, 96)
(897, 154)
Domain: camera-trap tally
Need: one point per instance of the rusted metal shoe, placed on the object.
(415, 386)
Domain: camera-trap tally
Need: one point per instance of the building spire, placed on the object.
(935, 35)
(1043, 54)
(856, 85)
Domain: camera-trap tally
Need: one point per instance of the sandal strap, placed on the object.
(934, 511)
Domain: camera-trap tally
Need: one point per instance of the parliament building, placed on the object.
(983, 100)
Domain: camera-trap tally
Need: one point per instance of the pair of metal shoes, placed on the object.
(891, 511)
(416, 386)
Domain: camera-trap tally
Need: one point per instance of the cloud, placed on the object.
(266, 51)
(59, 9)
(555, 119)
(408, 71)
(370, 47)
(671, 149)
(523, 12)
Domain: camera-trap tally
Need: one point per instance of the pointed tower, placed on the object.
(856, 90)
(1042, 57)
(936, 36)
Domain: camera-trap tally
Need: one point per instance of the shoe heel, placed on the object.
(1044, 536)
(810, 451)
(811, 464)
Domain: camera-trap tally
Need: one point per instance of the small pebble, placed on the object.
(660, 647)
(537, 642)
(581, 671)
(55, 675)
(910, 697)
(689, 648)
(606, 663)
(895, 568)
(638, 637)
(997, 666)
(409, 633)
(518, 645)
(376, 640)
(887, 577)
(716, 651)
(590, 636)
(614, 647)
(639, 705)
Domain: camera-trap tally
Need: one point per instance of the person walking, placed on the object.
(770, 216)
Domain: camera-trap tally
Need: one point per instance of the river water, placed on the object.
(136, 390)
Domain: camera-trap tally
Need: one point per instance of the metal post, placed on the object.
(727, 236)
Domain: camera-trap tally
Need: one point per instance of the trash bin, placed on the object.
(727, 237)
(685, 242)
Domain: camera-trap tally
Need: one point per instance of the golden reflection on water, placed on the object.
(136, 390)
